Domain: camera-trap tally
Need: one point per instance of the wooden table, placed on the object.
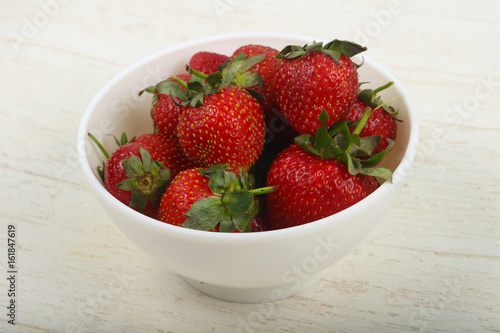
(432, 265)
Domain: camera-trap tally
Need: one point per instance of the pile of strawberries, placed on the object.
(258, 140)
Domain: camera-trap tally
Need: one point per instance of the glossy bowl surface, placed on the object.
(251, 267)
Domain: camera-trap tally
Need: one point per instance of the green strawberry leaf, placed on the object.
(150, 89)
(197, 100)
(205, 214)
(332, 152)
(257, 95)
(229, 73)
(226, 224)
(305, 141)
(133, 166)
(353, 165)
(334, 49)
(128, 184)
(355, 139)
(214, 79)
(348, 48)
(238, 71)
(249, 79)
(196, 86)
(334, 55)
(238, 203)
(138, 200)
(343, 138)
(244, 222)
(335, 128)
(123, 139)
(219, 182)
(377, 158)
(296, 51)
(252, 61)
(100, 171)
(365, 146)
(383, 173)
(239, 57)
(210, 171)
(290, 52)
(146, 159)
(322, 138)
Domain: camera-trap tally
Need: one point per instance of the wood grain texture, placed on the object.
(432, 265)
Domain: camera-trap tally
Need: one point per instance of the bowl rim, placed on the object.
(151, 223)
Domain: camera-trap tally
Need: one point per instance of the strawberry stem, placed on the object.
(98, 144)
(368, 112)
(385, 86)
(362, 122)
(262, 190)
(179, 81)
(198, 73)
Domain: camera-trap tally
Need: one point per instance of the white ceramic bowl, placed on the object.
(250, 267)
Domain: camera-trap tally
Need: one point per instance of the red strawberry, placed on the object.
(266, 68)
(212, 199)
(138, 172)
(313, 78)
(228, 128)
(207, 62)
(382, 121)
(164, 111)
(319, 177)
(310, 188)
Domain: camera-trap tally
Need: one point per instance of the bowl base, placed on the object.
(256, 295)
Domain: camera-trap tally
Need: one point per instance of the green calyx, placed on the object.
(334, 49)
(147, 180)
(339, 143)
(237, 71)
(192, 92)
(233, 203)
(370, 97)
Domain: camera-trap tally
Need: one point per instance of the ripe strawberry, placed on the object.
(212, 199)
(207, 62)
(138, 172)
(228, 128)
(313, 78)
(382, 121)
(223, 123)
(164, 111)
(310, 188)
(319, 177)
(266, 68)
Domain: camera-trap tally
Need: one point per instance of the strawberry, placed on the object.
(313, 78)
(212, 199)
(382, 122)
(320, 176)
(228, 128)
(310, 188)
(266, 68)
(165, 109)
(222, 123)
(207, 62)
(138, 172)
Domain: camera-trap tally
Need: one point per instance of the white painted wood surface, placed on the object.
(432, 265)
